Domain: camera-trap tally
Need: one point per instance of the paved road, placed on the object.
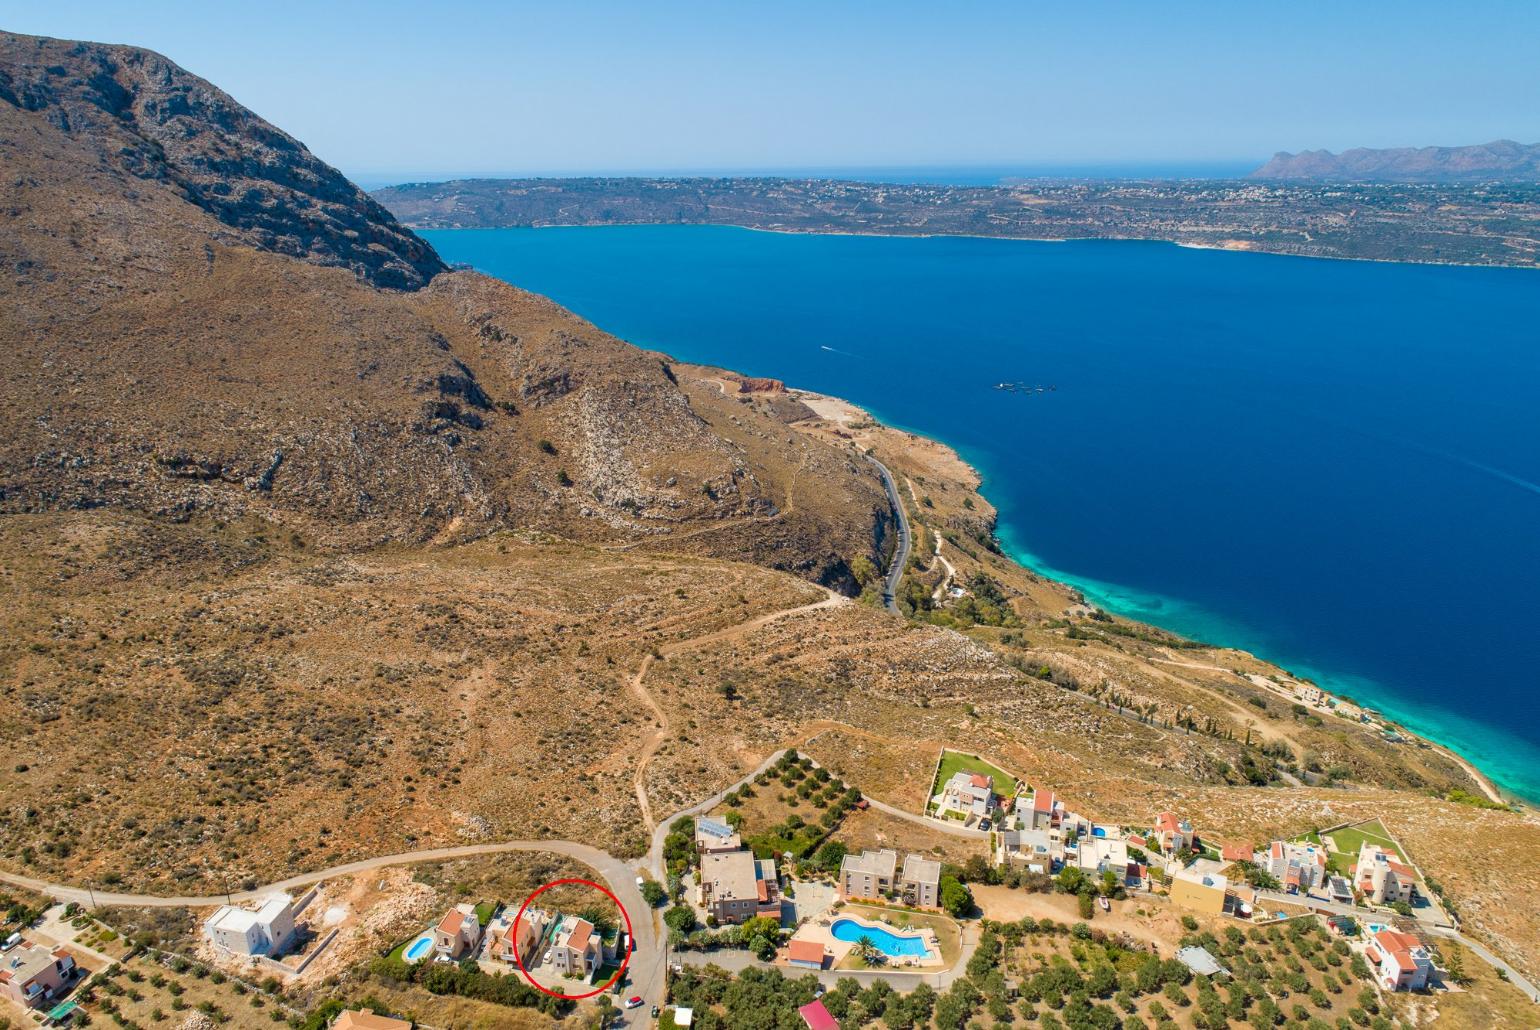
(900, 556)
(1434, 929)
(939, 825)
(655, 853)
(1518, 979)
(647, 960)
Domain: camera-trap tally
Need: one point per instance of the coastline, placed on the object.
(1512, 759)
(840, 410)
(829, 231)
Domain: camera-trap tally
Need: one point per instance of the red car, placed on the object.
(634, 1002)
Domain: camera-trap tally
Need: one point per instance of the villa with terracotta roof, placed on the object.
(1239, 851)
(1382, 877)
(970, 795)
(365, 1019)
(1400, 961)
(576, 948)
(1046, 810)
(458, 933)
(735, 886)
(32, 975)
(1171, 834)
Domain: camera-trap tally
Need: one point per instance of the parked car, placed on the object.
(984, 824)
(655, 1012)
(634, 1002)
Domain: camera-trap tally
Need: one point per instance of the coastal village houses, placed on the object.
(576, 948)
(1382, 878)
(1200, 890)
(967, 795)
(869, 875)
(1298, 867)
(32, 975)
(873, 875)
(735, 886)
(503, 936)
(1171, 835)
(1047, 812)
(1039, 850)
(457, 934)
(1400, 961)
(920, 884)
(1098, 855)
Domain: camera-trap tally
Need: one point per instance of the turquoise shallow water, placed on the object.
(1335, 465)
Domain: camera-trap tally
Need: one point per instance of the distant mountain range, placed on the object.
(1501, 160)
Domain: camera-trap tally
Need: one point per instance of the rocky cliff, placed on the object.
(201, 317)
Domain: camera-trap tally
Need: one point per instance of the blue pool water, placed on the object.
(890, 944)
(1333, 464)
(418, 949)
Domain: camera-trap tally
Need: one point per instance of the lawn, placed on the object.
(955, 761)
(1351, 839)
(1348, 841)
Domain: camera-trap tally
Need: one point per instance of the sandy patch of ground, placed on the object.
(1158, 925)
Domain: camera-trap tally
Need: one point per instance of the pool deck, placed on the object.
(820, 930)
(406, 955)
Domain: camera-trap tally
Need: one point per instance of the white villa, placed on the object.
(239, 931)
(1382, 878)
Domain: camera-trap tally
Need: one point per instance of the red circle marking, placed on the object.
(630, 940)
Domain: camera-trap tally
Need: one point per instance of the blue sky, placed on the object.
(390, 90)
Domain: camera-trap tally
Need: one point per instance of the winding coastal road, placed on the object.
(901, 555)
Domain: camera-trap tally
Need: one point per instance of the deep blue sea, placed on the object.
(1333, 464)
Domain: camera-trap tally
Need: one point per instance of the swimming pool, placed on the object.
(884, 940)
(418, 949)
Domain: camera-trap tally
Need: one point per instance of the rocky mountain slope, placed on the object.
(316, 551)
(1499, 161)
(201, 316)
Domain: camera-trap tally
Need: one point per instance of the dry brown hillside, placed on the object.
(196, 321)
(313, 551)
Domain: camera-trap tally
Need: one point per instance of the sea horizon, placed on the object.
(597, 273)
